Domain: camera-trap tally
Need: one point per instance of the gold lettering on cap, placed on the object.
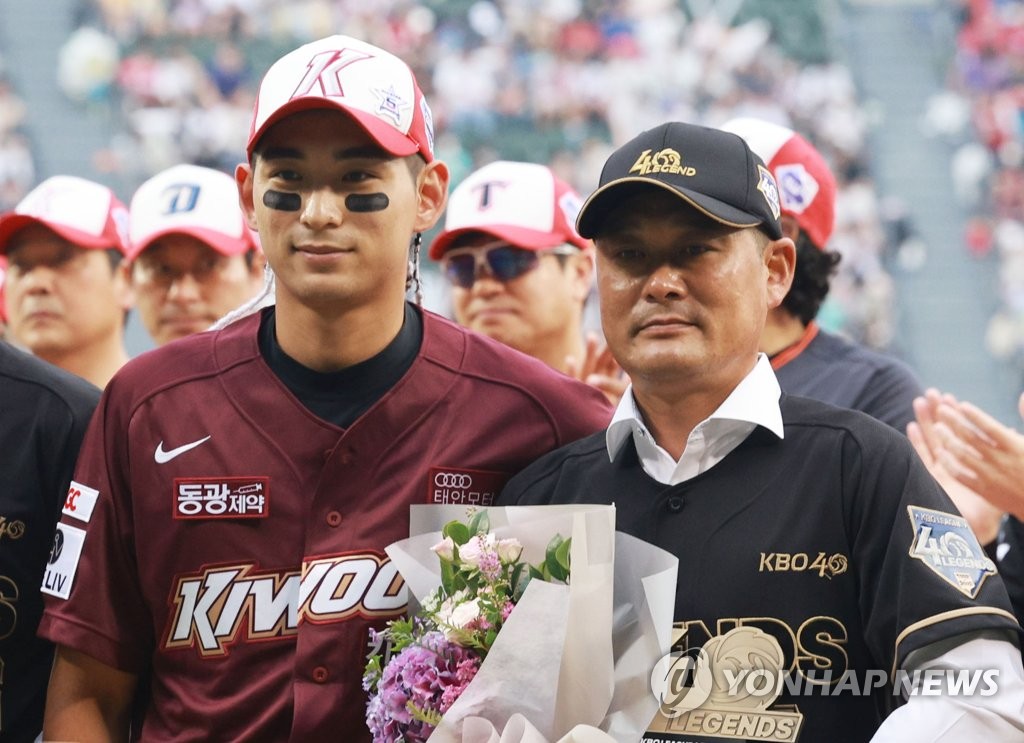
(662, 161)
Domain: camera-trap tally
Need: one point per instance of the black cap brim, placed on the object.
(597, 207)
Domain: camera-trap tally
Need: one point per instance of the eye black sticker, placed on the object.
(284, 202)
(367, 202)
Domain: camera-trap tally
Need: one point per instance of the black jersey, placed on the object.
(834, 542)
(1010, 559)
(829, 368)
(43, 415)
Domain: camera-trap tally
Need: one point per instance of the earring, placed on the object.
(413, 279)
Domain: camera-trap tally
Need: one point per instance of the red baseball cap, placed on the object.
(82, 212)
(524, 204)
(807, 188)
(189, 200)
(374, 87)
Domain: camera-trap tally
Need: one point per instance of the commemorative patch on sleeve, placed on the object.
(62, 564)
(221, 497)
(464, 487)
(945, 543)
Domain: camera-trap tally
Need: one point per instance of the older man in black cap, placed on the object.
(820, 567)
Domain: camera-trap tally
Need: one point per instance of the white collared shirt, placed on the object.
(754, 402)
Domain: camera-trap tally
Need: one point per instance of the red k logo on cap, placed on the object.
(380, 93)
(325, 69)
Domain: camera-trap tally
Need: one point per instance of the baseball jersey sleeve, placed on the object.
(922, 575)
(94, 602)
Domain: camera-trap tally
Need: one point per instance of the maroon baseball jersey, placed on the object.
(230, 544)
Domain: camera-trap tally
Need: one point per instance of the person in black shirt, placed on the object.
(814, 548)
(807, 360)
(45, 413)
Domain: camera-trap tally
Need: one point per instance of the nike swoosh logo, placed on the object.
(162, 457)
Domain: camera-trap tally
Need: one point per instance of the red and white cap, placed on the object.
(82, 212)
(524, 204)
(189, 200)
(376, 88)
(807, 188)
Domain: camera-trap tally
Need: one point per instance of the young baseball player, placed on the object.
(807, 360)
(244, 483)
(519, 271)
(817, 556)
(192, 258)
(45, 413)
(66, 298)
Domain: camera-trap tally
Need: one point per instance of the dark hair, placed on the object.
(814, 270)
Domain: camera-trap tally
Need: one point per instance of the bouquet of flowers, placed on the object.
(503, 643)
(426, 662)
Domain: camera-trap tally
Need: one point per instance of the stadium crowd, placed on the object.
(982, 115)
(553, 82)
(17, 170)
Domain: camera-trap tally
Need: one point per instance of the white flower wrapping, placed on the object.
(571, 663)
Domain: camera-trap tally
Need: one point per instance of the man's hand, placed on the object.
(599, 369)
(932, 438)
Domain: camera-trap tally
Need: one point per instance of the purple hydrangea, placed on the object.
(430, 675)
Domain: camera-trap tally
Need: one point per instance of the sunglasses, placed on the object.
(502, 261)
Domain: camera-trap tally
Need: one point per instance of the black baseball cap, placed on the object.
(713, 171)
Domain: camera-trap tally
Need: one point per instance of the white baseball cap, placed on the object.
(189, 200)
(376, 88)
(524, 204)
(81, 211)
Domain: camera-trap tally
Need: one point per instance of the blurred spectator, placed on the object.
(982, 115)
(86, 65)
(17, 171)
(192, 258)
(65, 297)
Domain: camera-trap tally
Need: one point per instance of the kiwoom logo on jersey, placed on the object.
(221, 497)
(464, 487)
(945, 543)
(239, 603)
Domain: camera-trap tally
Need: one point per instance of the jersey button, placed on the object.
(320, 674)
(346, 457)
(675, 504)
(333, 518)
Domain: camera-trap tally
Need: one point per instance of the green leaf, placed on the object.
(458, 531)
(423, 714)
(480, 523)
(448, 578)
(563, 553)
(373, 671)
(521, 586)
(517, 575)
(490, 637)
(553, 545)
